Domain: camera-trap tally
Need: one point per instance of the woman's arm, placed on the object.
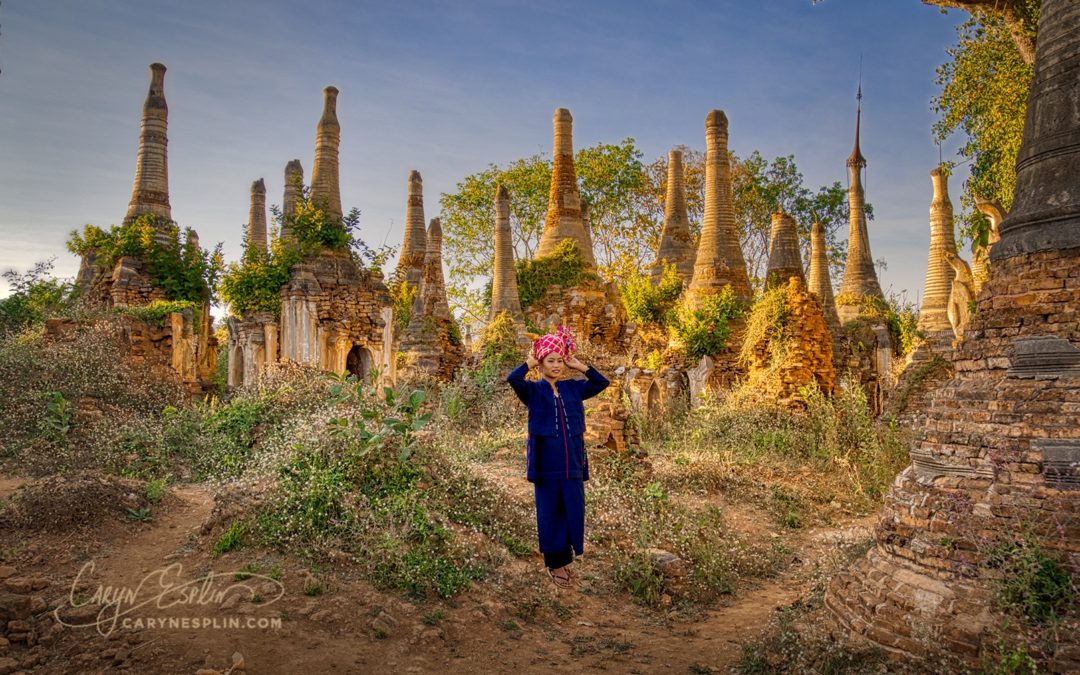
(517, 381)
(596, 382)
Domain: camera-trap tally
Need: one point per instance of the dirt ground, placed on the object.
(515, 622)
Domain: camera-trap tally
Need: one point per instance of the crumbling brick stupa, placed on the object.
(996, 463)
(676, 240)
(719, 261)
(432, 341)
(593, 309)
(184, 341)
(807, 357)
(335, 315)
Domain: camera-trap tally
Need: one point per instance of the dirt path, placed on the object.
(516, 622)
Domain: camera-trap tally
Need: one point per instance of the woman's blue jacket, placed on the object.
(556, 446)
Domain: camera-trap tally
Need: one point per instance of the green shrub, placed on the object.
(254, 284)
(705, 330)
(231, 539)
(33, 296)
(648, 303)
(402, 295)
(766, 324)
(638, 574)
(174, 260)
(563, 267)
(155, 489)
(899, 316)
(1032, 583)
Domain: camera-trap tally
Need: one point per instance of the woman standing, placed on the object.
(557, 464)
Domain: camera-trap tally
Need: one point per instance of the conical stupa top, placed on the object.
(504, 288)
(933, 314)
(719, 261)
(410, 265)
(325, 185)
(563, 219)
(856, 158)
(676, 241)
(435, 303)
(1045, 213)
(860, 277)
(150, 193)
(294, 183)
(256, 230)
(818, 282)
(785, 261)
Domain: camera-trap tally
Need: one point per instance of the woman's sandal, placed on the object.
(563, 579)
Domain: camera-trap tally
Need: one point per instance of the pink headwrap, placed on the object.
(561, 341)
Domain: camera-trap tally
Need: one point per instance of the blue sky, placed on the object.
(448, 88)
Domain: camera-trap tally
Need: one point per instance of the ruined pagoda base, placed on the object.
(338, 317)
(593, 310)
(434, 350)
(996, 462)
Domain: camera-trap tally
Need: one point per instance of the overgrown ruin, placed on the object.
(995, 465)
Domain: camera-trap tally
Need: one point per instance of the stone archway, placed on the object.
(358, 362)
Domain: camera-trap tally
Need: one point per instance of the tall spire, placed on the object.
(933, 314)
(719, 260)
(294, 182)
(860, 278)
(410, 265)
(856, 158)
(819, 283)
(785, 261)
(150, 193)
(563, 219)
(676, 242)
(325, 187)
(504, 288)
(256, 230)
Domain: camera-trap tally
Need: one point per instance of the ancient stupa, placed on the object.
(785, 260)
(294, 181)
(592, 308)
(808, 355)
(996, 462)
(256, 229)
(253, 338)
(504, 288)
(335, 315)
(719, 260)
(818, 282)
(939, 274)
(432, 338)
(325, 187)
(676, 241)
(410, 267)
(860, 278)
(150, 193)
(563, 220)
(185, 341)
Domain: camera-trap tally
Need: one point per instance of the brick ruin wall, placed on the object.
(997, 457)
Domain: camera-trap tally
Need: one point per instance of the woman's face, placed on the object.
(552, 365)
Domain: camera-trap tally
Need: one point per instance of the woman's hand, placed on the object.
(573, 362)
(530, 361)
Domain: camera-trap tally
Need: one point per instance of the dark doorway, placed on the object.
(358, 362)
